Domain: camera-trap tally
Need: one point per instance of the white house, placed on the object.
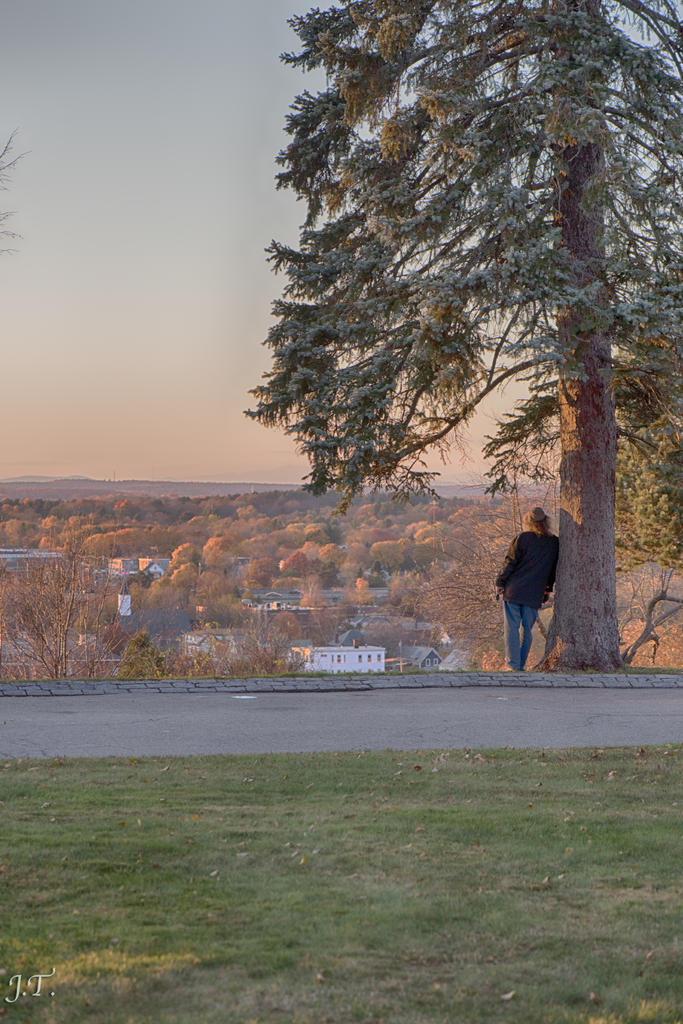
(208, 641)
(337, 658)
(156, 567)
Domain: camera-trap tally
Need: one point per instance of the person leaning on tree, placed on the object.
(525, 581)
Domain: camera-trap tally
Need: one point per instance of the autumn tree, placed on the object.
(261, 572)
(296, 564)
(493, 193)
(217, 552)
(391, 554)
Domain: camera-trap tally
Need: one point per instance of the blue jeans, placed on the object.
(517, 615)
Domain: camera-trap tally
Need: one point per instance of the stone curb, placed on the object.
(340, 684)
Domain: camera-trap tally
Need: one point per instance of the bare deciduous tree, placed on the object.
(462, 598)
(55, 614)
(653, 604)
(7, 163)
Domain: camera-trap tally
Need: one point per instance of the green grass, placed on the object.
(464, 887)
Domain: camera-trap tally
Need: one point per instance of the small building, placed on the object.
(273, 600)
(123, 566)
(336, 658)
(19, 559)
(455, 661)
(422, 657)
(165, 626)
(351, 638)
(156, 567)
(208, 641)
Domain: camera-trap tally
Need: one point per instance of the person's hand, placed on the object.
(546, 597)
(499, 591)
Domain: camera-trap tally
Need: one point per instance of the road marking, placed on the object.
(243, 696)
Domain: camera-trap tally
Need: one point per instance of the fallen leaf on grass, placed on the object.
(507, 996)
(595, 999)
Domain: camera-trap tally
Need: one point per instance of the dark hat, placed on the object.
(537, 515)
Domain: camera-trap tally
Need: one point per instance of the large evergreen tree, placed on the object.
(494, 193)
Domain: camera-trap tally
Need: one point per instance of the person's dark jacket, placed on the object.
(529, 569)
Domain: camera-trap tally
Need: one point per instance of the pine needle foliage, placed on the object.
(649, 502)
(141, 659)
(432, 267)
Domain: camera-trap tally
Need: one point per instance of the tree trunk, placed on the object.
(584, 631)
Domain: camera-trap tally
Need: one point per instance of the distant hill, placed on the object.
(66, 488)
(38, 479)
(70, 487)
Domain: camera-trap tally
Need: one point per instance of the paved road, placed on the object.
(160, 724)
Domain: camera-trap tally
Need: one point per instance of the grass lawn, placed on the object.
(466, 887)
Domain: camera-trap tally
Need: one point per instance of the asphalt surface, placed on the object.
(200, 721)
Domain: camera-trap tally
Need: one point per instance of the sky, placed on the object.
(137, 296)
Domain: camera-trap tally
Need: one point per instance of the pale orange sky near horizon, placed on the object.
(138, 294)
